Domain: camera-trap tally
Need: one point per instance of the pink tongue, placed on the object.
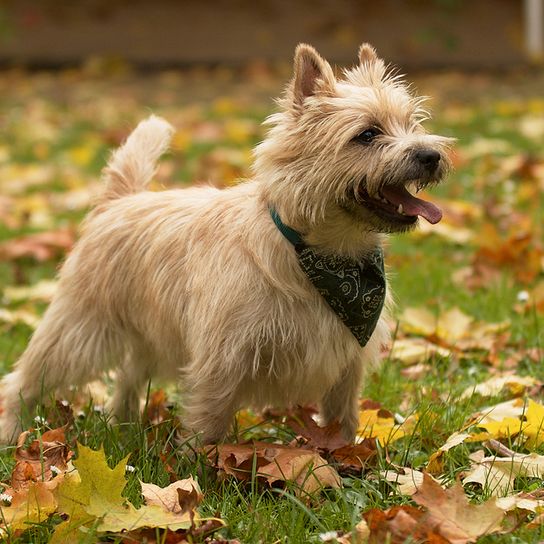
(412, 205)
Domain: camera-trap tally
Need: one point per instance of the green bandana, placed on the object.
(355, 290)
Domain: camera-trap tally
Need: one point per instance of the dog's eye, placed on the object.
(367, 135)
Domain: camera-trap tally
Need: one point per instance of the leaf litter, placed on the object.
(492, 234)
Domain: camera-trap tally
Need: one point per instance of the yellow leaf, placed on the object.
(507, 428)
(94, 494)
(384, 429)
(534, 428)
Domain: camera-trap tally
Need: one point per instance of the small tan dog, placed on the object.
(204, 285)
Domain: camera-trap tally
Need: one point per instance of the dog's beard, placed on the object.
(392, 206)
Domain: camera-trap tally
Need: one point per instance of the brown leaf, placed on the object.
(275, 463)
(41, 246)
(398, 524)
(178, 497)
(453, 517)
(356, 456)
(326, 438)
(34, 463)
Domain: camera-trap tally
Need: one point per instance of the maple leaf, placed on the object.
(328, 437)
(451, 515)
(94, 493)
(275, 463)
(400, 524)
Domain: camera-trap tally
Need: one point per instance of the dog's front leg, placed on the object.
(341, 402)
(210, 408)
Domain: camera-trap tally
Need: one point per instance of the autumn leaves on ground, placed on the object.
(450, 445)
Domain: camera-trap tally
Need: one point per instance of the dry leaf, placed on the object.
(169, 498)
(275, 463)
(36, 461)
(453, 517)
(42, 291)
(398, 525)
(435, 464)
(516, 385)
(410, 351)
(327, 438)
(41, 246)
(497, 474)
(408, 480)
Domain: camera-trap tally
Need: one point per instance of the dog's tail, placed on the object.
(132, 166)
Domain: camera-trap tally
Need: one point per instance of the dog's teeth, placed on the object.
(399, 209)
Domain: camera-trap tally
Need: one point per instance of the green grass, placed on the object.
(37, 114)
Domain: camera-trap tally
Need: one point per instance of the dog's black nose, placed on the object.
(428, 158)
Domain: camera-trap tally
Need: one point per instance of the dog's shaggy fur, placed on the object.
(199, 284)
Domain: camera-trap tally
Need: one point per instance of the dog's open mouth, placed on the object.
(396, 203)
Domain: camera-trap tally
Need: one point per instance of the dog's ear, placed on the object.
(367, 54)
(312, 73)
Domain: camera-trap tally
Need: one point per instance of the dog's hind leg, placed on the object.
(135, 371)
(71, 346)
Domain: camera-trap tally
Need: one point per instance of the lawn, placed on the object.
(468, 325)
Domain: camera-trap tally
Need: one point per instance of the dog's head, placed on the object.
(353, 148)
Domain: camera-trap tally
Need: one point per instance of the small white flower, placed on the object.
(4, 497)
(99, 409)
(329, 536)
(130, 468)
(40, 420)
(55, 470)
(80, 414)
(65, 403)
(523, 296)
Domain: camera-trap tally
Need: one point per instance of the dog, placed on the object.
(267, 293)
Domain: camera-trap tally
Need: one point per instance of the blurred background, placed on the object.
(76, 77)
(411, 33)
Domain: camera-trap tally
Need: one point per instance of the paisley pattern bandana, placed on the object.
(355, 290)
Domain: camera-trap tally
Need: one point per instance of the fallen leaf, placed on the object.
(42, 291)
(435, 464)
(380, 424)
(14, 317)
(32, 504)
(94, 494)
(400, 524)
(169, 499)
(451, 514)
(355, 457)
(516, 385)
(327, 438)
(408, 480)
(497, 474)
(275, 463)
(410, 351)
(41, 460)
(41, 246)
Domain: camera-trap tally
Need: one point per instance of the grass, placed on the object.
(62, 124)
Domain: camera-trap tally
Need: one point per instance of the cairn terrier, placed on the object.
(268, 293)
